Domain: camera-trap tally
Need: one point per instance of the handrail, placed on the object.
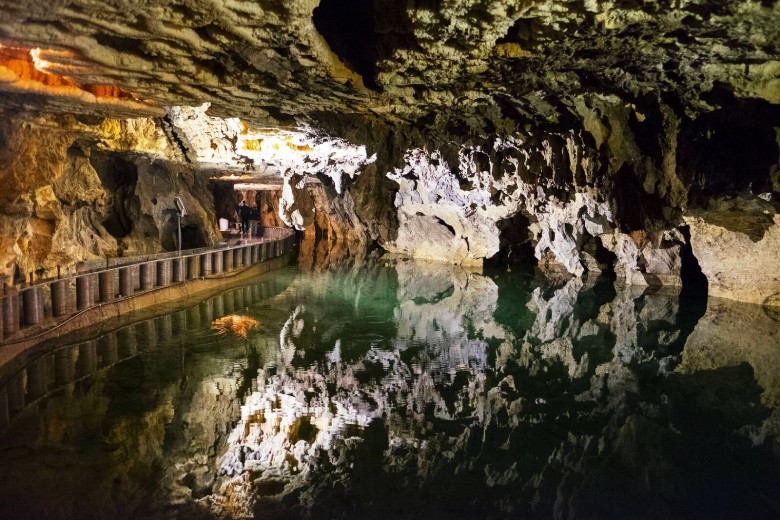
(153, 257)
(33, 309)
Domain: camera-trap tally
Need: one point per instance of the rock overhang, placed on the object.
(492, 62)
(621, 117)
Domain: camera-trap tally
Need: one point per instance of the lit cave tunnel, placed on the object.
(390, 259)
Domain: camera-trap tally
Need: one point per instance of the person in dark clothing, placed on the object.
(245, 212)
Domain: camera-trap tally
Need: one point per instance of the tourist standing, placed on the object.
(245, 213)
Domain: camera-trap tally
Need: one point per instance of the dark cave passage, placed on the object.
(515, 247)
(730, 151)
(119, 176)
(348, 27)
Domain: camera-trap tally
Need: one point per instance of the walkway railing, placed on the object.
(43, 305)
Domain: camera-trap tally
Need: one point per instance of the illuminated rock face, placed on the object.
(457, 213)
(737, 244)
(458, 132)
(77, 191)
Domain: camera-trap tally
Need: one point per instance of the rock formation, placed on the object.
(372, 380)
(737, 244)
(79, 191)
(635, 139)
(594, 134)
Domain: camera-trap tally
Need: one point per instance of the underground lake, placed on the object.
(389, 259)
(383, 387)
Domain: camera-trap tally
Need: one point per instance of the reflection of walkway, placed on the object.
(41, 307)
(51, 372)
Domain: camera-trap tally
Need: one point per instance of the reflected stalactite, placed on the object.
(317, 253)
(588, 365)
(489, 396)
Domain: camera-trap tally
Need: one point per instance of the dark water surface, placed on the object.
(396, 389)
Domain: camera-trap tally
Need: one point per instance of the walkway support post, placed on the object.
(179, 269)
(227, 260)
(32, 302)
(205, 264)
(147, 275)
(192, 267)
(11, 313)
(84, 295)
(216, 262)
(106, 287)
(126, 281)
(164, 269)
(59, 298)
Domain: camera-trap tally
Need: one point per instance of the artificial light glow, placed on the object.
(232, 144)
(232, 177)
(40, 71)
(256, 186)
(39, 62)
(238, 324)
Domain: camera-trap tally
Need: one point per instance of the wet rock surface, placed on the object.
(76, 191)
(737, 244)
(401, 388)
(488, 62)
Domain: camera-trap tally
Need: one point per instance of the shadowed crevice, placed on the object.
(348, 28)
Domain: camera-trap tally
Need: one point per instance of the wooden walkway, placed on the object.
(33, 310)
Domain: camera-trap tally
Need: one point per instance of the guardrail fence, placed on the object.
(53, 301)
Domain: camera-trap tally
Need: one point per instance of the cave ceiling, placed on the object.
(274, 62)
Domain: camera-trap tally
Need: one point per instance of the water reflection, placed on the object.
(398, 389)
(237, 324)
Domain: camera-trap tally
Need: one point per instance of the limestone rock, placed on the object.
(643, 260)
(210, 141)
(271, 61)
(79, 191)
(452, 213)
(737, 244)
(457, 133)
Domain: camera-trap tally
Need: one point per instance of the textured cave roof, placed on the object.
(274, 61)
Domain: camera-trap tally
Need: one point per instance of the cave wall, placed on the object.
(629, 187)
(449, 189)
(79, 189)
(627, 114)
(618, 185)
(267, 202)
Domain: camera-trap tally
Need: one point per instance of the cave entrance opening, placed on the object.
(261, 198)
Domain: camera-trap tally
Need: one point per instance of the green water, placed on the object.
(392, 389)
